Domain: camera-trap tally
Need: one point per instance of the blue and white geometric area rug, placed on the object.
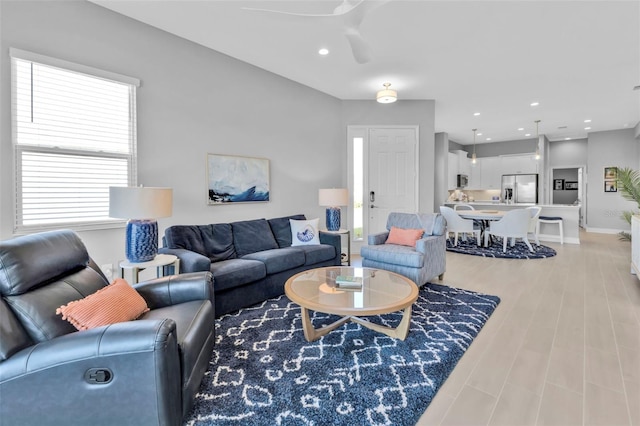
(264, 372)
(518, 251)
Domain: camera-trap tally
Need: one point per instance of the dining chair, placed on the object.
(463, 207)
(458, 225)
(514, 224)
(533, 223)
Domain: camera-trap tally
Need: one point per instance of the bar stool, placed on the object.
(551, 219)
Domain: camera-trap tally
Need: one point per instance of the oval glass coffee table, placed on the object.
(382, 292)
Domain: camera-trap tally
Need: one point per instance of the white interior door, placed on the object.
(392, 174)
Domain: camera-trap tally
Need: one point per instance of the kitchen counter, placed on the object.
(570, 215)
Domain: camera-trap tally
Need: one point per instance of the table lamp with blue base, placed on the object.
(142, 206)
(333, 198)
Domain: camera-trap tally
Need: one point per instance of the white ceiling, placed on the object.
(579, 59)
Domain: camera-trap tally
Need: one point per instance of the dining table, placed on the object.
(482, 217)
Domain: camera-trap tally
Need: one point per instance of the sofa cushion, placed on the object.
(278, 260)
(236, 272)
(117, 302)
(251, 236)
(304, 232)
(282, 229)
(394, 254)
(214, 241)
(317, 254)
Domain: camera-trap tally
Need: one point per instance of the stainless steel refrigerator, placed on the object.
(520, 188)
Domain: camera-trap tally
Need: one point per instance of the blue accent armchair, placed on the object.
(420, 263)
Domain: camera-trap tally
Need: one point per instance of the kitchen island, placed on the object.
(570, 215)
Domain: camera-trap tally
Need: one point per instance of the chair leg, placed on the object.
(477, 237)
(455, 239)
(486, 238)
(504, 244)
(441, 276)
(526, 240)
(561, 233)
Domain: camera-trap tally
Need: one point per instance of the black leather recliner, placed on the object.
(142, 372)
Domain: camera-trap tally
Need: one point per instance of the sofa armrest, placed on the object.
(138, 359)
(190, 261)
(334, 240)
(175, 289)
(377, 239)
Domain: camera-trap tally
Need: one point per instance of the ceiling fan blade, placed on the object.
(359, 46)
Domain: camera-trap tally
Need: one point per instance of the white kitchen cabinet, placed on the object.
(475, 175)
(518, 164)
(491, 173)
(464, 163)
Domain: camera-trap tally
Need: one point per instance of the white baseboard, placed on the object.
(556, 239)
(606, 230)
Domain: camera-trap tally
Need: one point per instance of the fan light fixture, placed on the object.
(387, 95)
(537, 141)
(473, 156)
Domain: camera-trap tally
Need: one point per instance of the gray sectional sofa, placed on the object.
(250, 260)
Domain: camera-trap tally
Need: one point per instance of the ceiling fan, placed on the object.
(351, 12)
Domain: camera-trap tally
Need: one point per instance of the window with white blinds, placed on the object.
(74, 132)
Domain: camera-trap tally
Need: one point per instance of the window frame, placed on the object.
(18, 149)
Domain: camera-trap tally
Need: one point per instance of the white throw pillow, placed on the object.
(304, 232)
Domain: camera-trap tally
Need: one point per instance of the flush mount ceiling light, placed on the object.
(387, 95)
(323, 51)
(473, 156)
(476, 114)
(535, 103)
(537, 141)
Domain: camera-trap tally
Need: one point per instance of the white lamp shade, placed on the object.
(132, 202)
(333, 197)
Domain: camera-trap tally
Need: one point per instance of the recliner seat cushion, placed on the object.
(278, 260)
(394, 254)
(251, 236)
(236, 272)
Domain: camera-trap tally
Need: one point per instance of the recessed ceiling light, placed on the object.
(479, 134)
(587, 128)
(535, 103)
(625, 125)
(520, 129)
(323, 51)
(488, 139)
(527, 134)
(476, 114)
(567, 139)
(587, 121)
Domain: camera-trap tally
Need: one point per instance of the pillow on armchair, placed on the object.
(404, 237)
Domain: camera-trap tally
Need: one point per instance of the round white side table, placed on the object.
(159, 262)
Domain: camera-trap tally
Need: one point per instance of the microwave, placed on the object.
(462, 181)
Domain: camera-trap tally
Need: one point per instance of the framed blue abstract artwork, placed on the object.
(232, 179)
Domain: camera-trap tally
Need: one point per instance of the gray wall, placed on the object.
(409, 113)
(494, 149)
(195, 101)
(617, 148)
(192, 101)
(571, 153)
(441, 170)
(565, 196)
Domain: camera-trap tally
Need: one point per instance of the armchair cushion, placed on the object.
(118, 302)
(394, 254)
(404, 237)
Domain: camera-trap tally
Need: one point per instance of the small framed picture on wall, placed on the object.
(610, 173)
(610, 186)
(558, 184)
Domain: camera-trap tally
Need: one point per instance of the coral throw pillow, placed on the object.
(117, 302)
(404, 237)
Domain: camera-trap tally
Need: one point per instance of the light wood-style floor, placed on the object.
(562, 348)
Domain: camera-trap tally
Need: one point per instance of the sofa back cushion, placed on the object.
(432, 223)
(213, 241)
(251, 236)
(281, 229)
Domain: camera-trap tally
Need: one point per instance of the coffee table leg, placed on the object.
(400, 332)
(312, 334)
